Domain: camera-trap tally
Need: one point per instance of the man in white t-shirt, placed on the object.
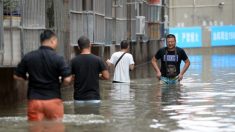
(123, 63)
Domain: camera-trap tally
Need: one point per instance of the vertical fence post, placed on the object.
(1, 26)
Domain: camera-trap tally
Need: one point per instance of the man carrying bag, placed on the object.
(123, 62)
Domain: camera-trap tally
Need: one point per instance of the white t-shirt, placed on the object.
(121, 73)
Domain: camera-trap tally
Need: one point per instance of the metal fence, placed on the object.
(111, 21)
(23, 22)
(60, 26)
(153, 21)
(104, 21)
(108, 22)
(121, 21)
(33, 22)
(11, 27)
(77, 18)
(132, 20)
(1, 27)
(81, 20)
(88, 18)
(99, 16)
(154, 13)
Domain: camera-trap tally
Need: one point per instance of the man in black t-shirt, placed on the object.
(44, 68)
(171, 57)
(87, 69)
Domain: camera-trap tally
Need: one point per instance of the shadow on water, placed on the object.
(203, 102)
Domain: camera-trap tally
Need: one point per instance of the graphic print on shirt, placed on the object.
(171, 68)
(171, 58)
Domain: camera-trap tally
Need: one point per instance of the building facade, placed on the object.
(105, 22)
(211, 22)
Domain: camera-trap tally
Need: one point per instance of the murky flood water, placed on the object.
(203, 102)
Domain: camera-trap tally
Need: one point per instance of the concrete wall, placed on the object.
(11, 91)
(204, 13)
(201, 13)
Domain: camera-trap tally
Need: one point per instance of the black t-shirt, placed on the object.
(86, 68)
(173, 58)
(44, 67)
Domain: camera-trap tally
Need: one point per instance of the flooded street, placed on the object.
(203, 102)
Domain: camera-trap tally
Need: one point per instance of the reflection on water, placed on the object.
(87, 107)
(46, 127)
(204, 101)
(121, 91)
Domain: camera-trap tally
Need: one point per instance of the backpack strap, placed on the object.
(120, 59)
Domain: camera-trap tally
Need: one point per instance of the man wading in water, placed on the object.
(87, 69)
(122, 62)
(171, 57)
(44, 67)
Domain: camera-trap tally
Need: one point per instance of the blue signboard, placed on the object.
(222, 35)
(187, 37)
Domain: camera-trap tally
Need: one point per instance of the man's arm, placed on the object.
(104, 75)
(20, 71)
(132, 63)
(185, 68)
(132, 66)
(18, 78)
(155, 67)
(65, 71)
(109, 63)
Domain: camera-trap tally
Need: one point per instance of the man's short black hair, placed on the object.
(124, 44)
(83, 42)
(170, 36)
(46, 34)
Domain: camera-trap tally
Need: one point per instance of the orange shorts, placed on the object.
(52, 109)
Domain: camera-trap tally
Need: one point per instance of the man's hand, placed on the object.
(104, 75)
(19, 78)
(186, 66)
(131, 67)
(180, 77)
(159, 74)
(68, 80)
(155, 67)
(108, 62)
